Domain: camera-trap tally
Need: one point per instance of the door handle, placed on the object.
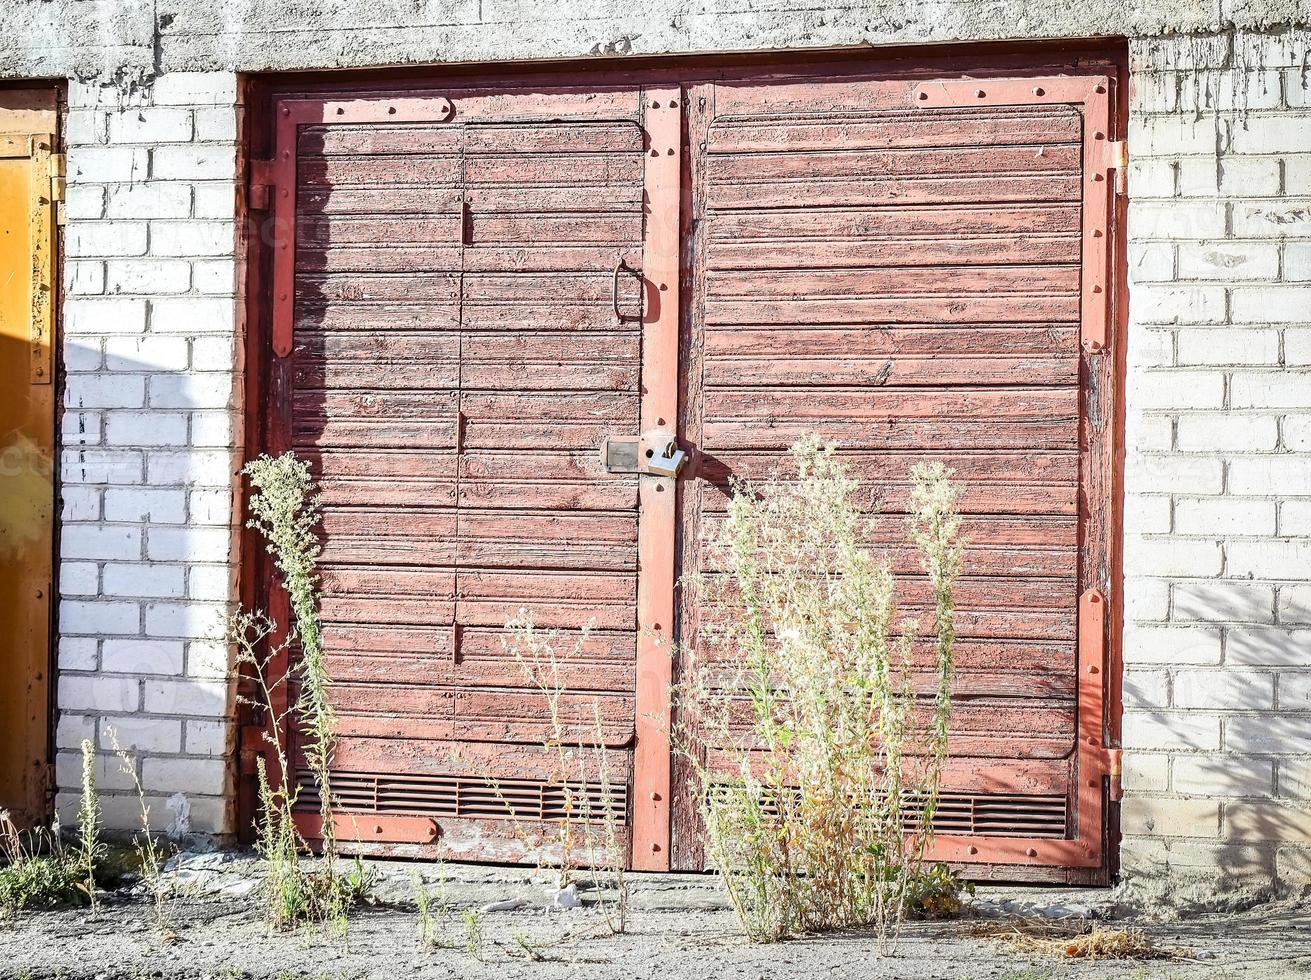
(622, 266)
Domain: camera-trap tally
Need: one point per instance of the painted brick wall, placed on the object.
(1218, 508)
(149, 434)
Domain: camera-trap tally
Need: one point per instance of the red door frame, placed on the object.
(1004, 74)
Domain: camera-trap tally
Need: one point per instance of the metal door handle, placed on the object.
(622, 265)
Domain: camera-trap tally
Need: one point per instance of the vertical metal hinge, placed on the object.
(1118, 160)
(58, 185)
(259, 185)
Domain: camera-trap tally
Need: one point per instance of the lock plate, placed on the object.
(622, 455)
(655, 453)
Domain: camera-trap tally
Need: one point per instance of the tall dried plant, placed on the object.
(818, 807)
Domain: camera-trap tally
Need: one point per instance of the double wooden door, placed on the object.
(500, 314)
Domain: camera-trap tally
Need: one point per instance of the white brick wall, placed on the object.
(1217, 649)
(150, 425)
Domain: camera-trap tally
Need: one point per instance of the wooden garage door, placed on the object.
(492, 306)
(457, 327)
(917, 271)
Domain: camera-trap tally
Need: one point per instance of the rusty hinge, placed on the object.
(259, 185)
(1114, 767)
(1117, 159)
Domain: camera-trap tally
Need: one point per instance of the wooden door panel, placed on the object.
(911, 280)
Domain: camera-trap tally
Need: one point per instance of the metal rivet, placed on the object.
(979, 93)
(924, 96)
(655, 153)
(341, 111)
(1092, 784)
(655, 105)
(971, 850)
(1099, 136)
(1031, 852)
(282, 297)
(673, 104)
(40, 594)
(1100, 89)
(655, 848)
(1039, 91)
(655, 797)
(1097, 177)
(1097, 233)
(286, 111)
(391, 110)
(1096, 288)
(669, 152)
(39, 373)
(660, 488)
(286, 154)
(1092, 669)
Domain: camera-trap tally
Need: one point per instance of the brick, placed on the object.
(150, 125)
(105, 164)
(1295, 518)
(85, 278)
(209, 390)
(207, 738)
(1285, 218)
(1297, 261)
(104, 391)
(1170, 817)
(211, 429)
(83, 354)
(146, 353)
(1174, 556)
(1177, 304)
(107, 238)
(79, 578)
(1295, 604)
(1144, 772)
(145, 429)
(1162, 731)
(1267, 646)
(194, 88)
(78, 653)
(96, 617)
(105, 316)
(1147, 689)
(152, 199)
(98, 693)
(1151, 178)
(1267, 733)
(148, 581)
(1147, 515)
(71, 729)
(1221, 346)
(217, 125)
(1176, 390)
(101, 466)
(1275, 559)
(1171, 645)
(1270, 304)
(1250, 177)
(79, 504)
(142, 656)
(1267, 821)
(1227, 689)
(1224, 602)
(184, 775)
(1297, 347)
(1224, 775)
(1224, 515)
(100, 541)
(211, 583)
(1175, 473)
(1293, 865)
(146, 504)
(1227, 261)
(1153, 348)
(186, 620)
(1146, 599)
(1295, 690)
(1270, 474)
(210, 507)
(1151, 261)
(195, 468)
(187, 697)
(208, 658)
(189, 544)
(1297, 432)
(215, 199)
(1287, 133)
(1230, 432)
(147, 276)
(192, 237)
(193, 316)
(109, 772)
(193, 162)
(1151, 432)
(214, 276)
(140, 733)
(1294, 778)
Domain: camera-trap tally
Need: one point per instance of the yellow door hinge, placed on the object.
(1119, 162)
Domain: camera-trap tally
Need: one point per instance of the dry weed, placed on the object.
(1080, 940)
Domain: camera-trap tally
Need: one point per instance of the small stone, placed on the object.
(505, 905)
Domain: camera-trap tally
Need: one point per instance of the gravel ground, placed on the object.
(679, 929)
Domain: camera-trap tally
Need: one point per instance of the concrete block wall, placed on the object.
(150, 434)
(1217, 645)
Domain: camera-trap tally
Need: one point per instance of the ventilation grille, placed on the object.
(471, 796)
(993, 815)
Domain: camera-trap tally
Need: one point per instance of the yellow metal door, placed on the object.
(30, 179)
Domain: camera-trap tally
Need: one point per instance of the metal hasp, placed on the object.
(656, 453)
(31, 181)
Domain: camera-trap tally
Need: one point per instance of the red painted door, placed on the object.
(456, 330)
(493, 306)
(917, 270)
